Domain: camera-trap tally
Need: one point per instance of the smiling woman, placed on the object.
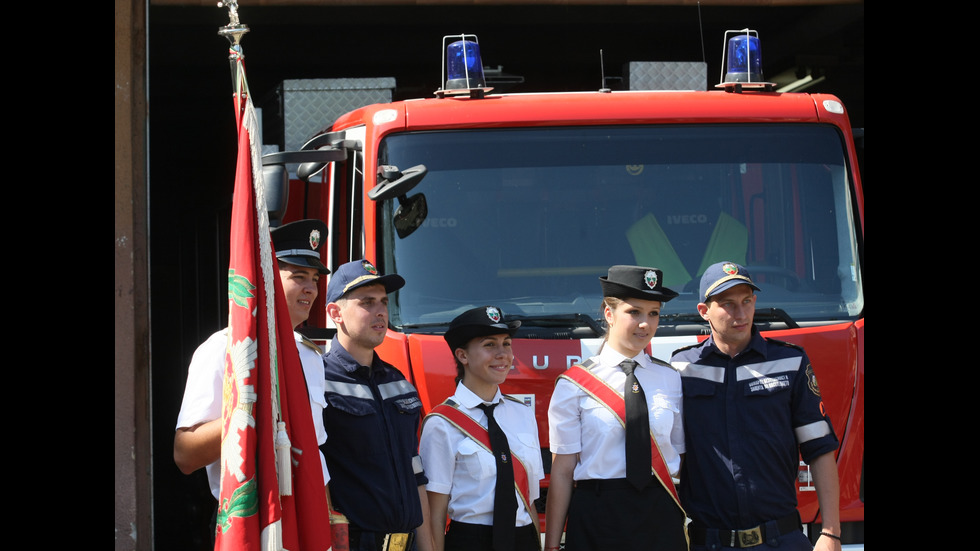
(479, 445)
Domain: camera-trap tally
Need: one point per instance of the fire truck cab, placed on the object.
(523, 200)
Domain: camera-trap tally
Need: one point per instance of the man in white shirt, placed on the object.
(197, 442)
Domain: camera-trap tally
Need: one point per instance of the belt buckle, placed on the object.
(397, 542)
(750, 537)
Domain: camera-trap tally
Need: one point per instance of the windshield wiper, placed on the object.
(550, 321)
(560, 320)
(761, 315)
(776, 314)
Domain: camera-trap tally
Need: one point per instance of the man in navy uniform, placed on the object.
(752, 407)
(372, 415)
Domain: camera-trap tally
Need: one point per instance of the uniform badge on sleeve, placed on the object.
(811, 380)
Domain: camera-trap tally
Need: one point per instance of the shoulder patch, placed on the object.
(811, 379)
(310, 344)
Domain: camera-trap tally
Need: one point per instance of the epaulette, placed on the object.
(514, 399)
(305, 340)
(784, 343)
(658, 361)
(688, 347)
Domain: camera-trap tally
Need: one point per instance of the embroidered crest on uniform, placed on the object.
(493, 314)
(650, 278)
(636, 388)
(369, 268)
(503, 458)
(729, 268)
(314, 239)
(811, 380)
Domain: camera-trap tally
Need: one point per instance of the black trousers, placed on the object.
(462, 536)
(612, 514)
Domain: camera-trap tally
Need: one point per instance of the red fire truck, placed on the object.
(524, 200)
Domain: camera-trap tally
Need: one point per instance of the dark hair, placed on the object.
(460, 369)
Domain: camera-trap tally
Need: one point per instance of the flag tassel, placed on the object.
(283, 462)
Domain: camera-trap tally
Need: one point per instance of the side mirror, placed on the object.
(394, 183)
(275, 183)
(410, 214)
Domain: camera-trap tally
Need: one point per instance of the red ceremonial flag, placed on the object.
(272, 490)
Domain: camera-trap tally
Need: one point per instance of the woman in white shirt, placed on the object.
(587, 416)
(456, 446)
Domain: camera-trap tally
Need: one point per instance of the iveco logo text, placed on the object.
(687, 219)
(439, 223)
(569, 361)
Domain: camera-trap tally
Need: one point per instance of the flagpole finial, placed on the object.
(234, 30)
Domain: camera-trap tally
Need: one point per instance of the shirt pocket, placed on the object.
(351, 406)
(697, 388)
(662, 413)
(597, 420)
(474, 460)
(765, 404)
(408, 404)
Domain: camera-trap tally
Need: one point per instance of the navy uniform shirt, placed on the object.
(747, 420)
(372, 418)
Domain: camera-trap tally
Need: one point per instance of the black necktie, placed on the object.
(504, 500)
(637, 429)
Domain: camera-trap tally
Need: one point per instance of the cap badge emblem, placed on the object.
(729, 268)
(369, 268)
(315, 239)
(493, 314)
(650, 278)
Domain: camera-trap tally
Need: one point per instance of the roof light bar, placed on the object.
(741, 55)
(461, 59)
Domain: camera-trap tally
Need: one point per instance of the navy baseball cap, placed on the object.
(359, 273)
(478, 322)
(299, 243)
(635, 282)
(722, 276)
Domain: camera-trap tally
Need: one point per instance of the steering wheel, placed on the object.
(790, 279)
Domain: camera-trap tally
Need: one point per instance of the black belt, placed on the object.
(746, 538)
(395, 541)
(599, 484)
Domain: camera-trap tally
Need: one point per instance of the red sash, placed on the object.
(449, 411)
(582, 377)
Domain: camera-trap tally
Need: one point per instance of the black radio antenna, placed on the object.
(701, 28)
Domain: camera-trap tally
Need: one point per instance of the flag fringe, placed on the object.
(283, 464)
(272, 537)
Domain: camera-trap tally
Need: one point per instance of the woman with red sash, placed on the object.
(463, 465)
(605, 505)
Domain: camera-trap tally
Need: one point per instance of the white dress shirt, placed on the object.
(580, 424)
(202, 393)
(458, 466)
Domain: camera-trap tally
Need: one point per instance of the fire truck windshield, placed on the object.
(528, 219)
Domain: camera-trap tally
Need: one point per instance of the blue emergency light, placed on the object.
(742, 60)
(464, 65)
(462, 61)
